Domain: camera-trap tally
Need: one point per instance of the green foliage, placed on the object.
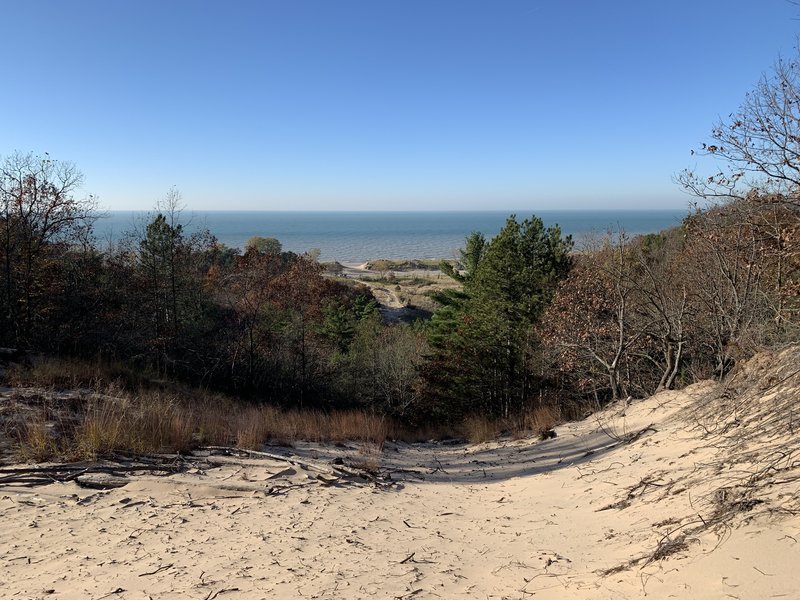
(518, 271)
(221, 256)
(471, 256)
(382, 367)
(159, 254)
(481, 336)
(264, 245)
(341, 319)
(526, 328)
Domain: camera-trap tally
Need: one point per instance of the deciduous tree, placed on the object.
(40, 219)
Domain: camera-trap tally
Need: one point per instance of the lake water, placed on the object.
(361, 236)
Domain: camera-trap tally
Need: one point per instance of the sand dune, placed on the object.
(688, 494)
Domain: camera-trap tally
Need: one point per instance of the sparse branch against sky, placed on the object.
(361, 104)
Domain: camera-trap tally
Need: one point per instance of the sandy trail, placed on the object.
(622, 505)
(391, 307)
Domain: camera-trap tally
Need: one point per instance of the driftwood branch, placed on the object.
(32, 476)
(304, 463)
(326, 474)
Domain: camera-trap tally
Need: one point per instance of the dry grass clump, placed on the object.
(253, 427)
(71, 374)
(535, 421)
(91, 426)
(479, 428)
(360, 425)
(37, 442)
(101, 429)
(266, 424)
(426, 432)
(542, 419)
(159, 422)
(149, 423)
(369, 458)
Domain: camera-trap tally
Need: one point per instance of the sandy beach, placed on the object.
(693, 493)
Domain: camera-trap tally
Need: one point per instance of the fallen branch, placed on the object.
(629, 439)
(87, 468)
(32, 476)
(158, 570)
(304, 463)
(212, 594)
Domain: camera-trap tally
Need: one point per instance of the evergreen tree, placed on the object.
(481, 338)
(470, 258)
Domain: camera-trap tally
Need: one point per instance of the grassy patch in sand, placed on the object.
(424, 264)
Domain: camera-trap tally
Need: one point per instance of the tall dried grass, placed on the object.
(37, 440)
(480, 428)
(150, 422)
(534, 421)
(131, 413)
(70, 374)
(541, 419)
(266, 424)
(145, 424)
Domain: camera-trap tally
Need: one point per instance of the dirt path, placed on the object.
(392, 309)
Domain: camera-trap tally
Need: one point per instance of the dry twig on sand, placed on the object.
(334, 471)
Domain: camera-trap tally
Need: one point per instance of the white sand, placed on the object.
(521, 519)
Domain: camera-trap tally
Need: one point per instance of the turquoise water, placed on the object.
(361, 236)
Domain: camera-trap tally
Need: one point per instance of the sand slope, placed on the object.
(686, 494)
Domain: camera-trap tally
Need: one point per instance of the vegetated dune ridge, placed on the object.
(688, 494)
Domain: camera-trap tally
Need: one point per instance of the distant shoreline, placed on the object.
(359, 236)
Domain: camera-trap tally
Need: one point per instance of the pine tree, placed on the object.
(481, 338)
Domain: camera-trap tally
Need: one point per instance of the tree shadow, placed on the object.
(470, 464)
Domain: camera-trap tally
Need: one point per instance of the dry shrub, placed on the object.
(667, 547)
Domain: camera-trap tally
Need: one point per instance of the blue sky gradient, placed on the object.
(325, 105)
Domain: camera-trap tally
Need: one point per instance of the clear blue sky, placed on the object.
(413, 104)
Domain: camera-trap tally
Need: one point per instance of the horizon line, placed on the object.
(417, 210)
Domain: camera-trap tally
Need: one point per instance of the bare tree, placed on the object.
(759, 144)
(750, 233)
(590, 320)
(40, 217)
(661, 303)
(725, 269)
